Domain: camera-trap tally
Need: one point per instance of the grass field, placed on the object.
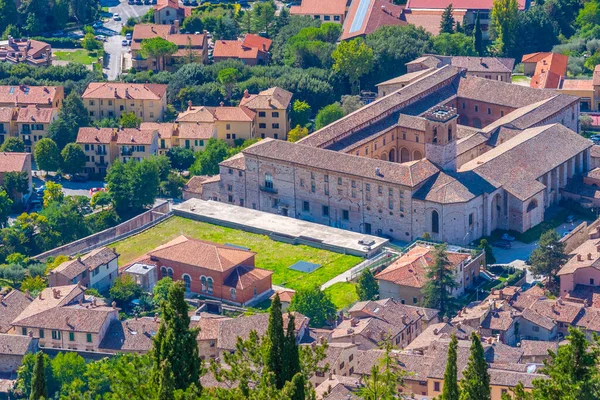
(343, 294)
(78, 56)
(271, 255)
(520, 78)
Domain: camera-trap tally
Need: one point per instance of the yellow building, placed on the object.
(136, 144)
(197, 125)
(8, 124)
(99, 146)
(168, 135)
(272, 108)
(111, 99)
(32, 124)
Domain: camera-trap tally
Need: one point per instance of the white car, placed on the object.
(124, 42)
(116, 17)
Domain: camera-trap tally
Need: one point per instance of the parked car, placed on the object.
(147, 2)
(55, 178)
(40, 191)
(139, 2)
(79, 178)
(128, 36)
(131, 2)
(502, 244)
(96, 189)
(58, 34)
(571, 219)
(97, 24)
(124, 42)
(507, 237)
(116, 17)
(102, 38)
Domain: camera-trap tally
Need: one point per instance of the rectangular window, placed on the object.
(312, 186)
(353, 184)
(326, 178)
(262, 114)
(326, 18)
(401, 205)
(535, 328)
(476, 108)
(230, 188)
(345, 215)
(275, 126)
(56, 335)
(89, 338)
(415, 300)
(353, 193)
(326, 211)
(489, 111)
(391, 204)
(86, 147)
(301, 182)
(417, 138)
(368, 187)
(471, 219)
(306, 206)
(592, 281)
(91, 102)
(275, 114)
(390, 192)
(228, 126)
(327, 190)
(379, 189)
(339, 181)
(262, 125)
(71, 336)
(41, 333)
(436, 386)
(336, 17)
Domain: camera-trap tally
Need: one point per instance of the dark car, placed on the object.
(79, 178)
(503, 244)
(55, 178)
(131, 2)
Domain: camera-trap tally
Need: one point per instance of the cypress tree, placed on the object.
(298, 382)
(166, 384)
(276, 342)
(440, 281)
(38, 382)
(478, 36)
(459, 28)
(447, 22)
(475, 384)
(176, 343)
(451, 391)
(291, 356)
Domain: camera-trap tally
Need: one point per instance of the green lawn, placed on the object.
(343, 294)
(78, 56)
(271, 255)
(520, 78)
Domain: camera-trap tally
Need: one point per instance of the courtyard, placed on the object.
(271, 255)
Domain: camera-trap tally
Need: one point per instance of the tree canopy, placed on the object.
(315, 304)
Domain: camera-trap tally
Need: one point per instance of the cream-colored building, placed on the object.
(99, 146)
(62, 318)
(111, 99)
(272, 108)
(168, 135)
(136, 144)
(32, 124)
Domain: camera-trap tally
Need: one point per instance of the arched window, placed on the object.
(188, 281)
(417, 155)
(404, 155)
(532, 205)
(170, 273)
(209, 281)
(163, 272)
(203, 283)
(435, 134)
(268, 181)
(232, 290)
(435, 222)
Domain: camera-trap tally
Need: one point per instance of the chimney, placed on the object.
(126, 93)
(189, 104)
(501, 292)
(1, 298)
(269, 101)
(67, 320)
(330, 376)
(114, 305)
(94, 302)
(353, 322)
(155, 317)
(144, 329)
(115, 92)
(264, 46)
(353, 339)
(589, 256)
(30, 334)
(221, 104)
(435, 331)
(579, 257)
(40, 295)
(481, 60)
(246, 94)
(445, 319)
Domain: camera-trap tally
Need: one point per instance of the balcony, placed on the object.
(101, 152)
(268, 189)
(126, 151)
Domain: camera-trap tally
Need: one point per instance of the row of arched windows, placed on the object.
(206, 282)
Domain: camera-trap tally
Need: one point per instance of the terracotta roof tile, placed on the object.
(237, 161)
(274, 98)
(201, 254)
(132, 335)
(234, 49)
(132, 136)
(115, 90)
(166, 130)
(36, 115)
(537, 347)
(95, 135)
(7, 114)
(23, 94)
(317, 7)
(457, 4)
(14, 162)
(245, 277)
(258, 42)
(378, 13)
(11, 306)
(201, 131)
(14, 345)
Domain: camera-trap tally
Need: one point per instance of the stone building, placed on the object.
(98, 270)
(448, 154)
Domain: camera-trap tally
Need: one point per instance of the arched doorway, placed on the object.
(417, 155)
(476, 123)
(384, 156)
(496, 211)
(435, 222)
(404, 155)
(392, 156)
(463, 120)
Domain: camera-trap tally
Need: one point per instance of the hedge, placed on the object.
(60, 43)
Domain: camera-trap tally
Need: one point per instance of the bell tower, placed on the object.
(440, 137)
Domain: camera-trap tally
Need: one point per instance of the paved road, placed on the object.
(112, 30)
(73, 188)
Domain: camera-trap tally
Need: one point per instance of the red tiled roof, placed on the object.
(165, 129)
(34, 114)
(457, 4)
(245, 277)
(319, 7)
(131, 136)
(95, 135)
(14, 162)
(237, 114)
(190, 130)
(7, 114)
(234, 49)
(23, 94)
(576, 84)
(549, 70)
(166, 3)
(258, 42)
(201, 254)
(115, 90)
(378, 14)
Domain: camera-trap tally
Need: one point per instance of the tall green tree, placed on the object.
(489, 252)
(300, 113)
(454, 44)
(291, 354)
(71, 117)
(264, 15)
(367, 288)
(328, 114)
(572, 371)
(504, 24)
(276, 342)
(175, 346)
(5, 207)
(475, 384)
(38, 383)
(478, 36)
(297, 133)
(315, 304)
(451, 390)
(46, 154)
(207, 160)
(354, 59)
(157, 48)
(13, 145)
(130, 120)
(181, 158)
(447, 22)
(437, 291)
(549, 256)
(298, 383)
(228, 77)
(73, 158)
(385, 379)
